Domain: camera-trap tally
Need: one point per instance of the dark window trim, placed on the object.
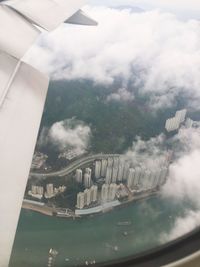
(163, 255)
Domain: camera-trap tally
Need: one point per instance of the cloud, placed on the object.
(122, 95)
(184, 9)
(182, 226)
(156, 51)
(151, 153)
(184, 173)
(183, 184)
(68, 134)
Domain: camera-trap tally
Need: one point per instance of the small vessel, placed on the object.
(116, 248)
(124, 223)
(125, 233)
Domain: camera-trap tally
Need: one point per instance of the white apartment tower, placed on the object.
(94, 193)
(34, 189)
(87, 197)
(87, 180)
(110, 162)
(50, 190)
(181, 115)
(88, 171)
(112, 191)
(104, 164)
(126, 171)
(138, 172)
(131, 176)
(97, 169)
(109, 175)
(114, 174)
(79, 176)
(104, 192)
(40, 190)
(80, 200)
(120, 170)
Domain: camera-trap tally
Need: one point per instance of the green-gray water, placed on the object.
(92, 238)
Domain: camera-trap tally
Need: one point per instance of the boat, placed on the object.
(124, 223)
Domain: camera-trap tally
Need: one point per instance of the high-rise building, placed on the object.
(152, 179)
(80, 200)
(138, 172)
(112, 191)
(104, 164)
(181, 115)
(104, 192)
(40, 190)
(116, 162)
(97, 169)
(87, 180)
(114, 174)
(172, 124)
(189, 123)
(94, 193)
(131, 176)
(79, 176)
(145, 180)
(109, 175)
(88, 171)
(110, 162)
(50, 190)
(157, 177)
(87, 197)
(126, 170)
(120, 171)
(34, 189)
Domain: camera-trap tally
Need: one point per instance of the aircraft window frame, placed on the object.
(163, 255)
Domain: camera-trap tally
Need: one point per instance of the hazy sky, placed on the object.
(183, 8)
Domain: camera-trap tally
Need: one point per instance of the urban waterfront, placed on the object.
(120, 233)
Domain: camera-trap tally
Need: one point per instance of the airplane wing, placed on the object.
(22, 96)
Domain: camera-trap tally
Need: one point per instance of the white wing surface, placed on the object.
(47, 14)
(16, 33)
(20, 115)
(22, 96)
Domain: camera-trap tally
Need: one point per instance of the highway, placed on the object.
(73, 166)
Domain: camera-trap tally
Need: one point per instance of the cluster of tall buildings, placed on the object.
(112, 169)
(173, 124)
(85, 178)
(51, 191)
(86, 198)
(108, 192)
(118, 170)
(192, 124)
(141, 179)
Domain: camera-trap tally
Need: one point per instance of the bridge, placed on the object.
(74, 165)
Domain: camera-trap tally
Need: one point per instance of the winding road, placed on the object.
(74, 165)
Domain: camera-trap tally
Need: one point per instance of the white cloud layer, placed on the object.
(68, 134)
(156, 51)
(184, 176)
(182, 226)
(183, 184)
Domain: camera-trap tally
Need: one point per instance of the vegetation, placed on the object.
(114, 124)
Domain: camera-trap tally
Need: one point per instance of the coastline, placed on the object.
(56, 212)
